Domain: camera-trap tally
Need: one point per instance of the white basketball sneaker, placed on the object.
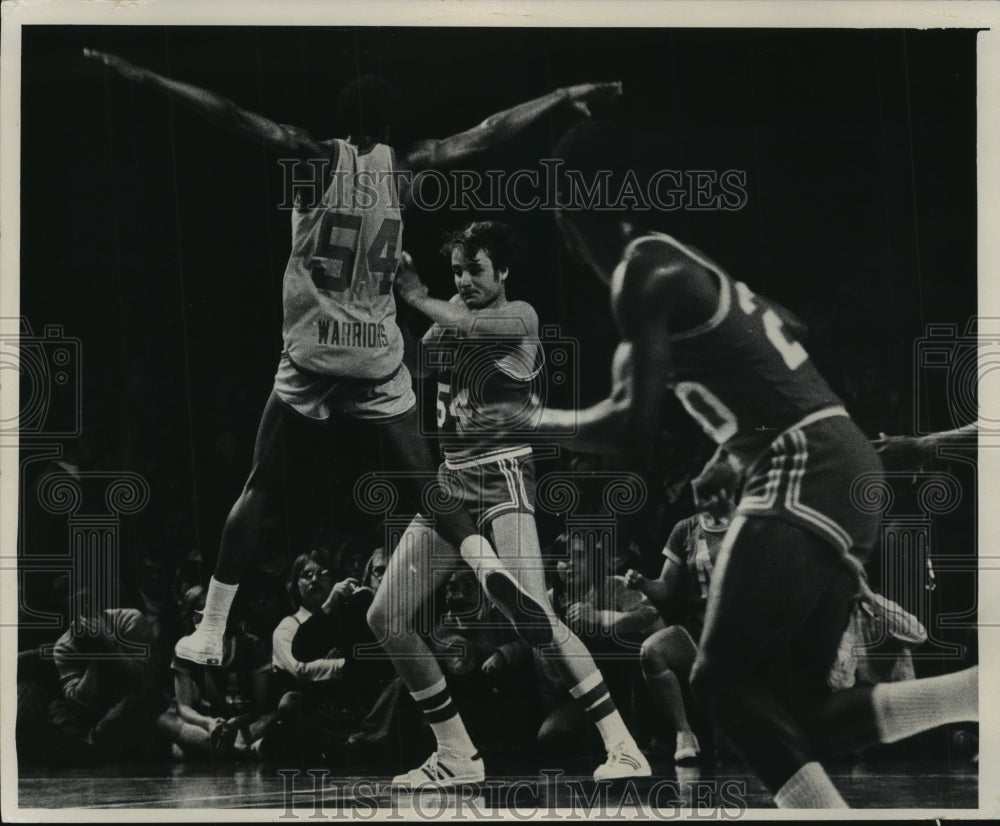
(202, 646)
(443, 770)
(624, 760)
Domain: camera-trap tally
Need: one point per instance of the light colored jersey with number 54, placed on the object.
(339, 310)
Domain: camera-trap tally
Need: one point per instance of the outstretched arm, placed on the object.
(504, 125)
(603, 427)
(909, 452)
(219, 110)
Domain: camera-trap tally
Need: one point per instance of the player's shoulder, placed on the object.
(658, 261)
(524, 311)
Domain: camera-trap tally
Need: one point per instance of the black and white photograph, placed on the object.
(449, 411)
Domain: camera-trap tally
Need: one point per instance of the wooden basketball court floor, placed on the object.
(333, 793)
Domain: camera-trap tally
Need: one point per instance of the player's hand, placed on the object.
(581, 95)
(339, 592)
(581, 617)
(127, 70)
(904, 452)
(633, 579)
(493, 667)
(409, 287)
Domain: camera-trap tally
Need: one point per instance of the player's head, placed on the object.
(363, 109)
(716, 489)
(461, 592)
(310, 580)
(481, 257)
(375, 569)
(596, 157)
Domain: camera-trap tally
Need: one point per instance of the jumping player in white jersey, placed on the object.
(341, 378)
(487, 356)
(789, 568)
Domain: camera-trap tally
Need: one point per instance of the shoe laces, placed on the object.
(621, 753)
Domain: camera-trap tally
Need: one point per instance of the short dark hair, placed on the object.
(364, 106)
(497, 239)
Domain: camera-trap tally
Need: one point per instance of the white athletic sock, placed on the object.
(809, 788)
(593, 695)
(218, 601)
(477, 551)
(446, 723)
(912, 706)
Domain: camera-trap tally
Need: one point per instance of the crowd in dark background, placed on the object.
(156, 243)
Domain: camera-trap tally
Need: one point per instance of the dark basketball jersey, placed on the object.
(486, 387)
(340, 313)
(741, 375)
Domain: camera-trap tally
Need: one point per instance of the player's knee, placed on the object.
(651, 656)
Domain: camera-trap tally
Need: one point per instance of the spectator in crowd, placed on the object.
(311, 722)
(108, 696)
(219, 710)
(681, 594)
(612, 620)
(491, 668)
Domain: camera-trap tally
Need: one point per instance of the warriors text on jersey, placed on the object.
(741, 375)
(339, 310)
(486, 390)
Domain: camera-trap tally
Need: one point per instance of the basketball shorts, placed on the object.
(815, 475)
(492, 488)
(317, 396)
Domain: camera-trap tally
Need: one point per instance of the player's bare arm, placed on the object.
(504, 125)
(445, 314)
(602, 427)
(220, 110)
(662, 590)
(910, 452)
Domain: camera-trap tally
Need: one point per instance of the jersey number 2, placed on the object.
(338, 240)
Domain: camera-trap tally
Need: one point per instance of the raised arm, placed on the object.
(219, 110)
(504, 125)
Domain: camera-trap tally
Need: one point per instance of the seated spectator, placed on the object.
(311, 721)
(612, 620)
(681, 592)
(108, 697)
(369, 690)
(600, 608)
(219, 710)
(491, 668)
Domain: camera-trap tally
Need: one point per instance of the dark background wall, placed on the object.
(156, 239)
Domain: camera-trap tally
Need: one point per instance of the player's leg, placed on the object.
(515, 537)
(768, 581)
(436, 494)
(667, 658)
(284, 438)
(399, 617)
